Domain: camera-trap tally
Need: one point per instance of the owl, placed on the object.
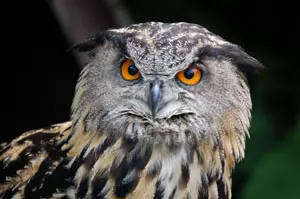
(161, 110)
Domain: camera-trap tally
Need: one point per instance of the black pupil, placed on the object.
(132, 69)
(189, 73)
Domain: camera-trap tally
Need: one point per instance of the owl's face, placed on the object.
(172, 83)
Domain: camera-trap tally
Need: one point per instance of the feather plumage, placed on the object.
(119, 145)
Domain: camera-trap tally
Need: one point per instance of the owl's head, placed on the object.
(168, 83)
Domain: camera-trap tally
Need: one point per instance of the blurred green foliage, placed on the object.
(271, 165)
(276, 175)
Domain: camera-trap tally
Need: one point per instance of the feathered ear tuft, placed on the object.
(89, 44)
(245, 62)
(117, 40)
(237, 55)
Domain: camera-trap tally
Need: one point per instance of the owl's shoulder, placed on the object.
(30, 156)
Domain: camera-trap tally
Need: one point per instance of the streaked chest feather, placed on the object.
(94, 166)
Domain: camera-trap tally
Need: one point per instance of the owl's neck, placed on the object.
(131, 169)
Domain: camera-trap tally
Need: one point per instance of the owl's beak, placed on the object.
(155, 96)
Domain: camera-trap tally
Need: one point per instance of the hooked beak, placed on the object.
(155, 96)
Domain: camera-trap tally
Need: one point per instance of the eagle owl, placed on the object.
(161, 110)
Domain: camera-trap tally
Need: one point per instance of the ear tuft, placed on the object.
(89, 44)
(245, 62)
(236, 54)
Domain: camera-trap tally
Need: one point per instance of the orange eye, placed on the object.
(129, 70)
(191, 75)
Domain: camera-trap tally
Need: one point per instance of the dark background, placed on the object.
(46, 75)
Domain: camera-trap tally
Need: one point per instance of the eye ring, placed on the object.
(129, 71)
(190, 76)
